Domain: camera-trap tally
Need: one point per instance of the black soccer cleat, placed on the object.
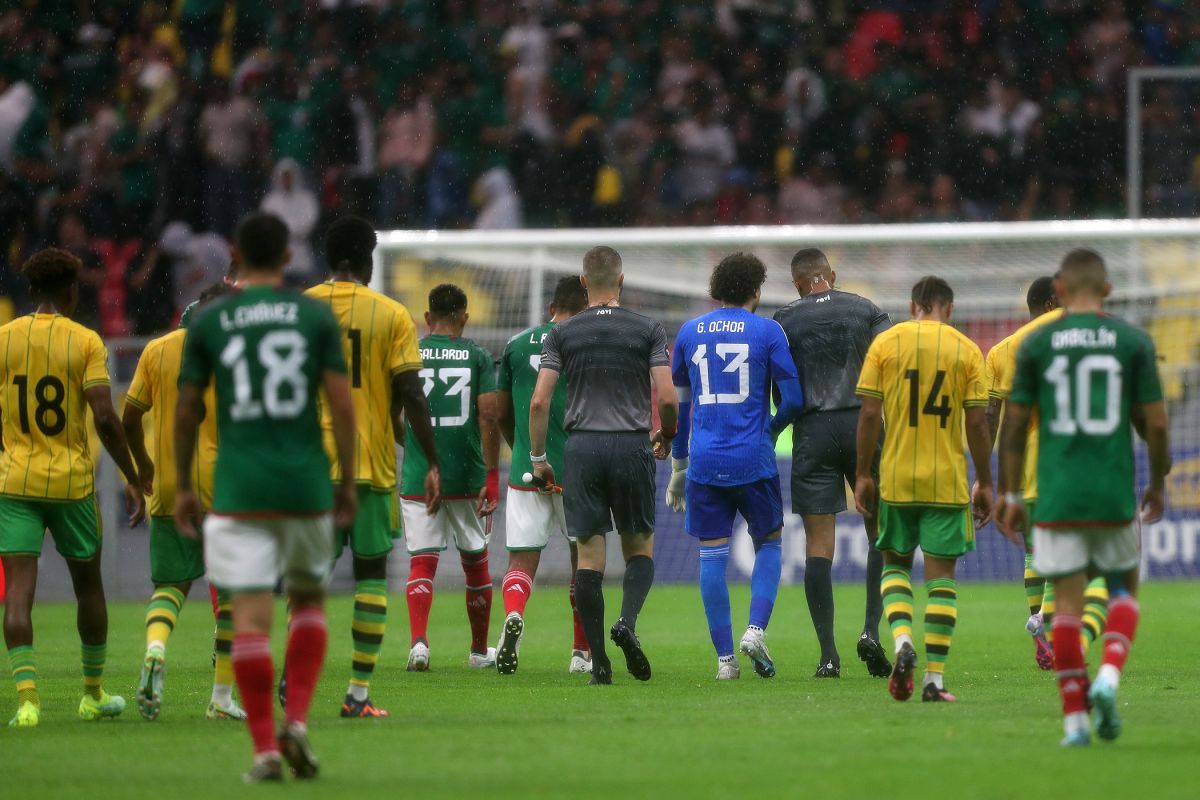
(828, 668)
(293, 744)
(281, 688)
(900, 684)
(932, 694)
(601, 675)
(635, 659)
(871, 653)
(361, 709)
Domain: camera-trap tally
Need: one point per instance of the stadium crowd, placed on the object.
(136, 134)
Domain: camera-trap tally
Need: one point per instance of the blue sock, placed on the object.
(764, 581)
(714, 591)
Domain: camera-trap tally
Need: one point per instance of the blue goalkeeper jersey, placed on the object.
(725, 361)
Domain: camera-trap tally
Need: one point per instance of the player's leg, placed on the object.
(946, 535)
(631, 496)
(868, 647)
(20, 575)
(1095, 610)
(425, 538)
(470, 534)
(638, 550)
(375, 527)
(581, 655)
(709, 516)
(1039, 593)
(175, 562)
(527, 520)
(1115, 554)
(899, 535)
(818, 494)
(221, 704)
(589, 598)
(761, 505)
(819, 537)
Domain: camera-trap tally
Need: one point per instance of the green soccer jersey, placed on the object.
(457, 371)
(518, 375)
(1084, 373)
(267, 350)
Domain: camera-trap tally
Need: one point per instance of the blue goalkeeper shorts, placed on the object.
(711, 509)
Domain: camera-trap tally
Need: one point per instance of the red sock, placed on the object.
(255, 673)
(479, 598)
(517, 588)
(212, 593)
(580, 637)
(1123, 614)
(421, 569)
(308, 638)
(1069, 665)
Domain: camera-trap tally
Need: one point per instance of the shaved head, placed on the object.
(1083, 273)
(809, 264)
(602, 268)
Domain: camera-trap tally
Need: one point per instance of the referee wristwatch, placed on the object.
(537, 459)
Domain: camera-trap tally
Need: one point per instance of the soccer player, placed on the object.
(829, 331)
(609, 356)
(1091, 377)
(927, 381)
(532, 517)
(175, 561)
(459, 380)
(723, 365)
(379, 341)
(52, 370)
(1001, 366)
(269, 351)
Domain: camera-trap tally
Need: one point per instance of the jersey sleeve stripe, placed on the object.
(408, 367)
(975, 404)
(862, 391)
(136, 402)
(96, 382)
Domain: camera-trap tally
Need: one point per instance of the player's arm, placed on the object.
(1012, 462)
(995, 410)
(489, 438)
(979, 442)
(189, 411)
(539, 421)
(410, 404)
(504, 416)
(668, 410)
(1154, 431)
(870, 424)
(341, 414)
(135, 435)
(112, 436)
(788, 407)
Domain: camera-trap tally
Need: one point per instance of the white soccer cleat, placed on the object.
(754, 645)
(581, 663)
(482, 660)
(1034, 625)
(728, 669)
(418, 658)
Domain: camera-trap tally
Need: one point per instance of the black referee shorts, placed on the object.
(824, 460)
(609, 482)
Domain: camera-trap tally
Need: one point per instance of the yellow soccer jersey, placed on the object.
(1001, 366)
(155, 389)
(47, 363)
(925, 373)
(379, 340)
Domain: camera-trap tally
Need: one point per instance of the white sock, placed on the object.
(1109, 674)
(935, 678)
(222, 694)
(357, 691)
(727, 660)
(1075, 722)
(156, 645)
(903, 639)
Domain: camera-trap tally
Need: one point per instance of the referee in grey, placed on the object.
(609, 356)
(829, 332)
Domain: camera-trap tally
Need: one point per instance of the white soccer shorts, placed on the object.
(455, 522)
(1058, 552)
(247, 554)
(531, 518)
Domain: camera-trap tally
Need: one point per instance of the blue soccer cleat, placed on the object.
(1103, 697)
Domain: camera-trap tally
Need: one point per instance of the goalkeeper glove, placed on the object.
(675, 496)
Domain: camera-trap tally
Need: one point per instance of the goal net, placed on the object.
(1154, 265)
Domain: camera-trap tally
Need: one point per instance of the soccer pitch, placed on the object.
(455, 732)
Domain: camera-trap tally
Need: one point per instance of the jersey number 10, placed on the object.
(1066, 423)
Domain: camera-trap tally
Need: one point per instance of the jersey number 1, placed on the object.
(934, 406)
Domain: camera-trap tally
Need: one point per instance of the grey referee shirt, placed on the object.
(605, 353)
(829, 333)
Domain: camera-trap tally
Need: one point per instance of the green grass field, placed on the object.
(543, 733)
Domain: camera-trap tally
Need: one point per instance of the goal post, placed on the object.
(1154, 266)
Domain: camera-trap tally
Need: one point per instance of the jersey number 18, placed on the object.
(282, 354)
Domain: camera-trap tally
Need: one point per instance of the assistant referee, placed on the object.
(609, 356)
(829, 332)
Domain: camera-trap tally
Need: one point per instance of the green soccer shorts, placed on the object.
(375, 528)
(942, 531)
(74, 525)
(174, 558)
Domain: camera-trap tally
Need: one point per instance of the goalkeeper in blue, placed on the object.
(723, 367)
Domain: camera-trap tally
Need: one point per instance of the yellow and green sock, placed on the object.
(223, 650)
(370, 619)
(162, 614)
(93, 656)
(24, 672)
(895, 588)
(941, 614)
(1049, 604)
(1035, 586)
(1095, 611)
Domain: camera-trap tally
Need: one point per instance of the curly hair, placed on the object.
(446, 300)
(737, 279)
(51, 271)
(932, 291)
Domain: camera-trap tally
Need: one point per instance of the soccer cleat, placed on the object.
(754, 645)
(828, 669)
(510, 644)
(1043, 653)
(109, 705)
(150, 684)
(267, 769)
(1103, 698)
(281, 687)
(581, 663)
(601, 675)
(361, 708)
(728, 669)
(231, 712)
(293, 743)
(635, 658)
(418, 658)
(900, 684)
(1076, 739)
(27, 716)
(482, 660)
(932, 694)
(871, 653)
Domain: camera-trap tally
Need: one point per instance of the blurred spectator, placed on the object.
(197, 260)
(231, 131)
(496, 194)
(72, 236)
(406, 140)
(706, 150)
(291, 201)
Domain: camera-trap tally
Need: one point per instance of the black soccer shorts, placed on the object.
(609, 483)
(824, 453)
